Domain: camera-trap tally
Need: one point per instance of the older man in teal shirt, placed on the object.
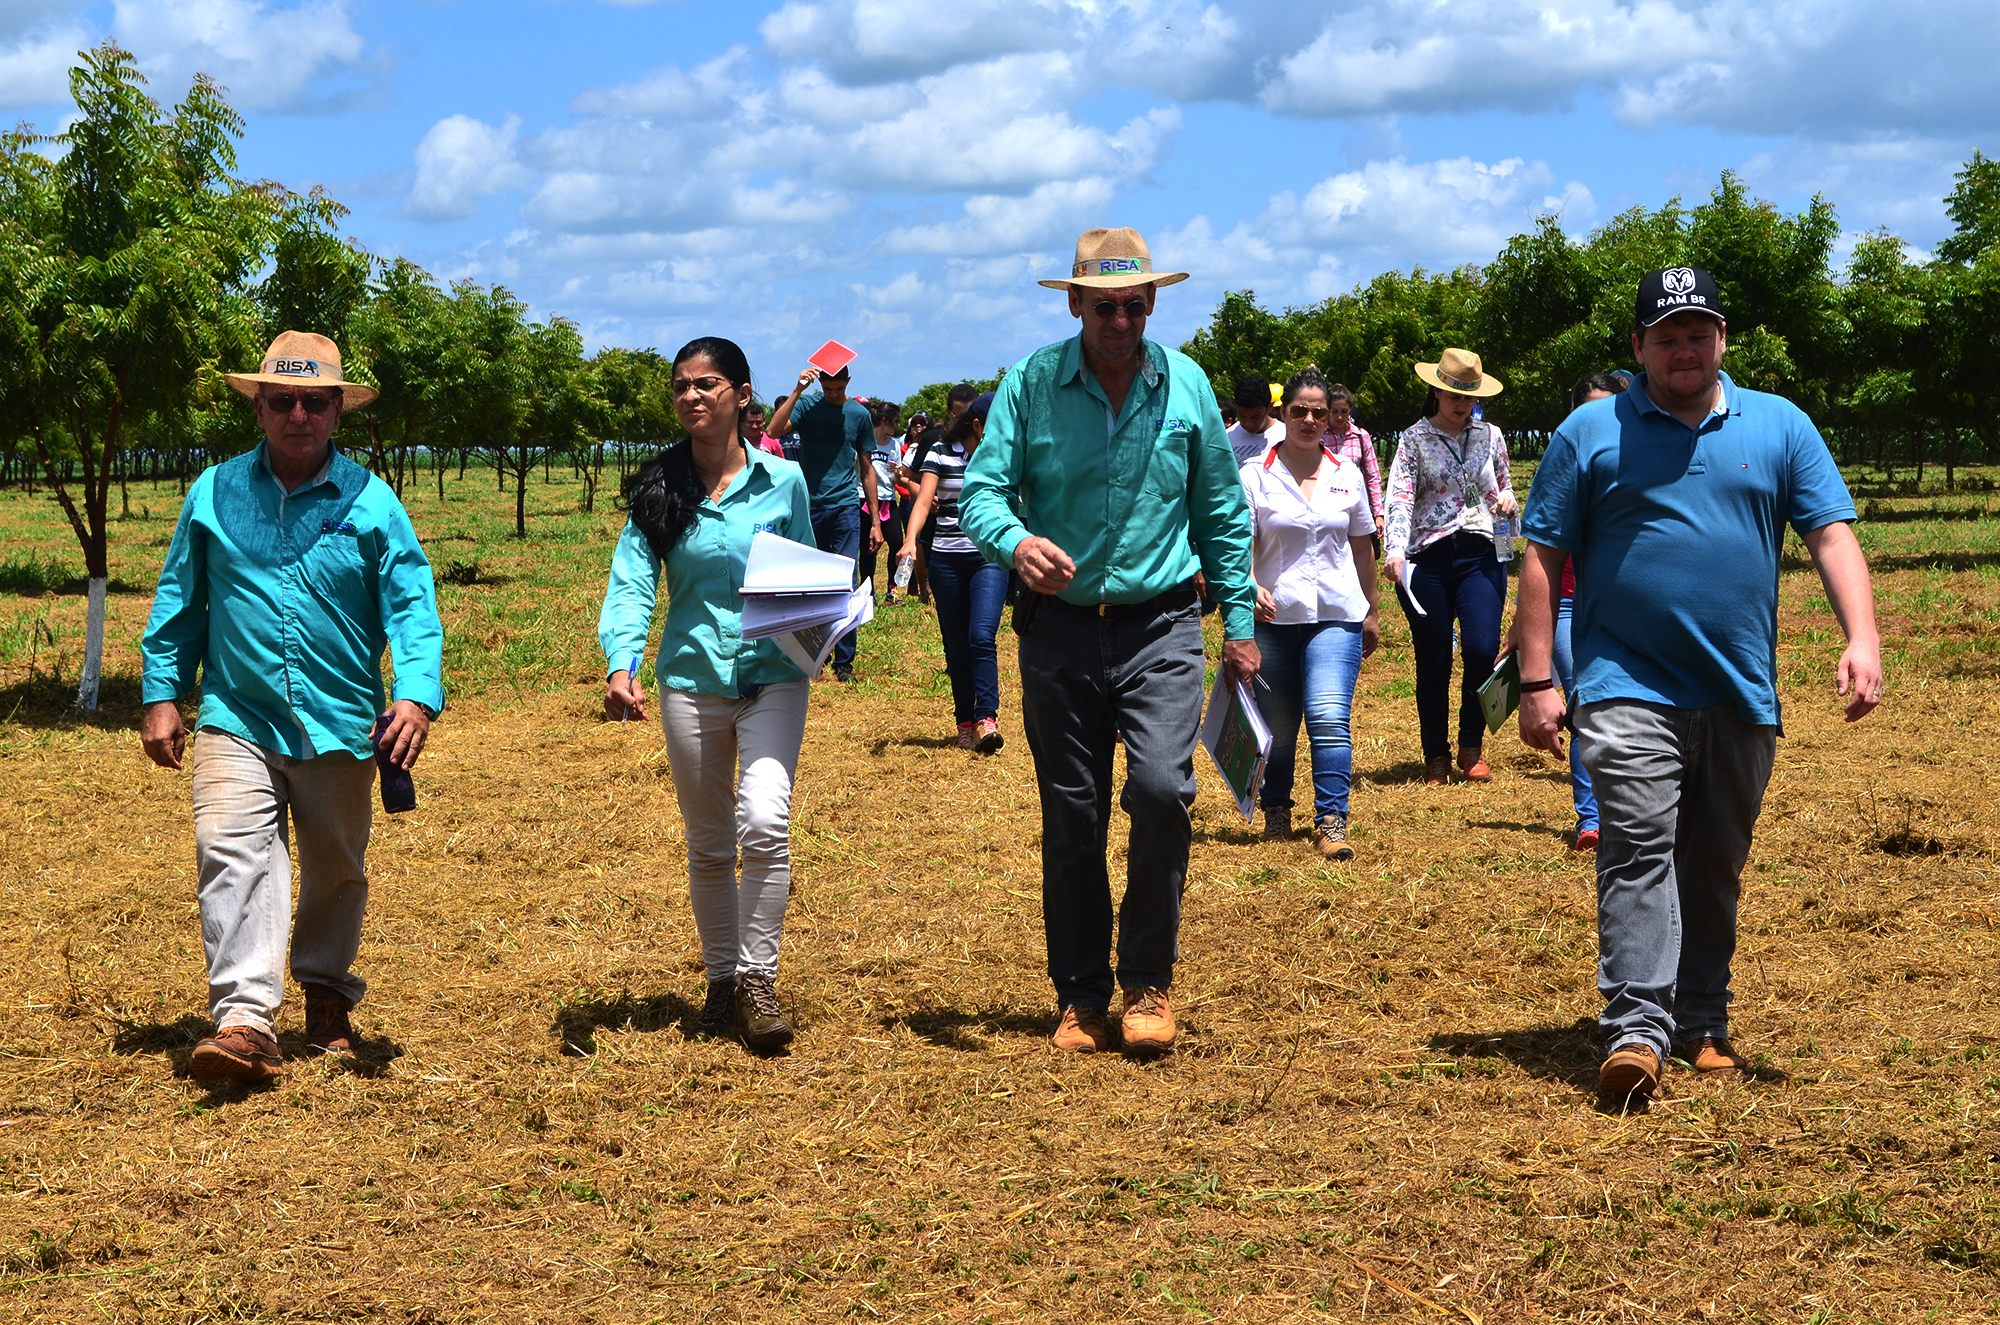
(291, 571)
(1105, 478)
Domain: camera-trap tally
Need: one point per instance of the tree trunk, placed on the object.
(521, 494)
(1950, 458)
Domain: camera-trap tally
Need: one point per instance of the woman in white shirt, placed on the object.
(1315, 571)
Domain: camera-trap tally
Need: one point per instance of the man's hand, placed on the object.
(874, 529)
(1044, 567)
(1541, 721)
(1859, 677)
(162, 734)
(405, 735)
(1240, 657)
(623, 698)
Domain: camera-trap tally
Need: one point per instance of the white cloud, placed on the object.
(673, 93)
(873, 41)
(460, 161)
(34, 68)
(305, 57)
(994, 223)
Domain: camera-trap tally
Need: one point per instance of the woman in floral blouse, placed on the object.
(1448, 488)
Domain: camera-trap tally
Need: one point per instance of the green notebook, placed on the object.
(1501, 694)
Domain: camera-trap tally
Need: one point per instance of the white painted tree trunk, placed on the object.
(93, 650)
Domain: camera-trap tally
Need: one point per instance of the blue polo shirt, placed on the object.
(830, 439)
(1677, 533)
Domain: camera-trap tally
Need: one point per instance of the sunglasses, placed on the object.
(1317, 413)
(705, 386)
(1106, 309)
(283, 401)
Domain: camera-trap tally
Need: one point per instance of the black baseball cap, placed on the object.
(1674, 290)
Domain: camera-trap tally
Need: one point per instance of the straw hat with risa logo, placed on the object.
(1113, 260)
(1460, 371)
(302, 359)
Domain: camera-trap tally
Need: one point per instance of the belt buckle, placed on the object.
(1103, 609)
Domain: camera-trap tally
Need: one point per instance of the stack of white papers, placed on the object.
(802, 598)
(1238, 739)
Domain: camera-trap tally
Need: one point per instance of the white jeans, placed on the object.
(724, 813)
(242, 796)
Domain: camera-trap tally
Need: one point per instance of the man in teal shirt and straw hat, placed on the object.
(1106, 480)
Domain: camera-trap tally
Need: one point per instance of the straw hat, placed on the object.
(1459, 370)
(1113, 260)
(300, 359)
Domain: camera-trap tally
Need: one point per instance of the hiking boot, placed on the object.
(1148, 1021)
(719, 1010)
(237, 1053)
(759, 1018)
(986, 737)
(968, 733)
(1632, 1071)
(1330, 837)
(1714, 1058)
(1472, 764)
(327, 1029)
(1437, 771)
(1278, 825)
(1586, 839)
(1082, 1031)
(844, 675)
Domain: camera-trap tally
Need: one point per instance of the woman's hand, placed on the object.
(1371, 633)
(1267, 606)
(623, 699)
(909, 548)
(1505, 504)
(1392, 567)
(1507, 642)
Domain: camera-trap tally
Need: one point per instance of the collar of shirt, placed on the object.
(1645, 404)
(261, 462)
(1271, 456)
(1152, 370)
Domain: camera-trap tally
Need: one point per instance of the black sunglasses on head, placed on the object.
(283, 401)
(1108, 308)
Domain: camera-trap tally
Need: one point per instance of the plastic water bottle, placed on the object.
(905, 567)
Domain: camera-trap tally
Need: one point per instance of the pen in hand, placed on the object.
(631, 679)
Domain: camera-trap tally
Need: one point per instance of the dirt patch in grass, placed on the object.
(1380, 1108)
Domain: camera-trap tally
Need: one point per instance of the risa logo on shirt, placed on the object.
(1176, 425)
(339, 527)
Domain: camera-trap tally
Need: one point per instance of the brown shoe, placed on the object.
(238, 1053)
(1632, 1071)
(1437, 771)
(1082, 1031)
(1277, 825)
(1472, 764)
(1148, 1021)
(1714, 1058)
(327, 1029)
(1330, 837)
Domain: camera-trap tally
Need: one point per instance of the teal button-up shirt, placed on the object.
(702, 649)
(1140, 499)
(286, 602)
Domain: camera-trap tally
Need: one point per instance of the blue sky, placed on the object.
(896, 173)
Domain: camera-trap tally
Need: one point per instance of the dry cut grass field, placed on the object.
(1381, 1107)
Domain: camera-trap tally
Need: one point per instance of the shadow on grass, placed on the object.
(881, 746)
(1508, 826)
(48, 703)
(1569, 1054)
(1229, 834)
(1410, 770)
(161, 1037)
(1883, 564)
(968, 1032)
(578, 1023)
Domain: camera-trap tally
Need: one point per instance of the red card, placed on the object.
(831, 357)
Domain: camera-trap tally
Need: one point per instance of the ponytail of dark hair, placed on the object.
(664, 494)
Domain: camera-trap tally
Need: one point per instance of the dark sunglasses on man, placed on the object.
(282, 402)
(1106, 309)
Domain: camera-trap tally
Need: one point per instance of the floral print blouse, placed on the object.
(1440, 484)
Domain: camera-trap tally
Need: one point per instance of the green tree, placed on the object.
(400, 334)
(1974, 208)
(129, 255)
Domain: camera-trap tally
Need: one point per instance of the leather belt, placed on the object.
(1173, 600)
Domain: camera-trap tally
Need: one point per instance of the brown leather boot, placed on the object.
(237, 1053)
(1714, 1058)
(1148, 1021)
(1278, 825)
(1472, 764)
(327, 1029)
(1082, 1031)
(1437, 771)
(1330, 837)
(1632, 1072)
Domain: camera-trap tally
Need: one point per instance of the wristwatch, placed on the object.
(430, 714)
(1536, 687)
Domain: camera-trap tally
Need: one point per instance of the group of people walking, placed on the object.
(1101, 475)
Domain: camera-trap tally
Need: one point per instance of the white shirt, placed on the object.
(1252, 445)
(1300, 550)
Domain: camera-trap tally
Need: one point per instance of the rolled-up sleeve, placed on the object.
(177, 631)
(1219, 519)
(989, 505)
(408, 604)
(627, 618)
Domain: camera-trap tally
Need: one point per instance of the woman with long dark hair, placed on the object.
(969, 590)
(734, 710)
(1449, 500)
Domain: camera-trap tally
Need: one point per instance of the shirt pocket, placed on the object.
(1167, 466)
(335, 563)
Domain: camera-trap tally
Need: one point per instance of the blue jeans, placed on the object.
(839, 530)
(1085, 680)
(1455, 579)
(969, 592)
(1311, 671)
(1579, 776)
(1681, 790)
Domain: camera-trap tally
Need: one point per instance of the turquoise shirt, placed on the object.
(1140, 500)
(833, 444)
(702, 649)
(286, 602)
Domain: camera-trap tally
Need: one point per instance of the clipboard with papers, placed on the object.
(1237, 739)
(802, 599)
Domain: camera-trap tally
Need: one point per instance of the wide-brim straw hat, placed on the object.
(300, 359)
(1113, 259)
(1460, 371)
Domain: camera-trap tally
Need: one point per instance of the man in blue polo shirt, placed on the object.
(1674, 498)
(836, 437)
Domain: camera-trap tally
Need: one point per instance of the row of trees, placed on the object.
(135, 269)
(1894, 354)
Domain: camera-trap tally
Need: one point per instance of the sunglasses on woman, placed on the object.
(1106, 309)
(283, 401)
(1317, 413)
